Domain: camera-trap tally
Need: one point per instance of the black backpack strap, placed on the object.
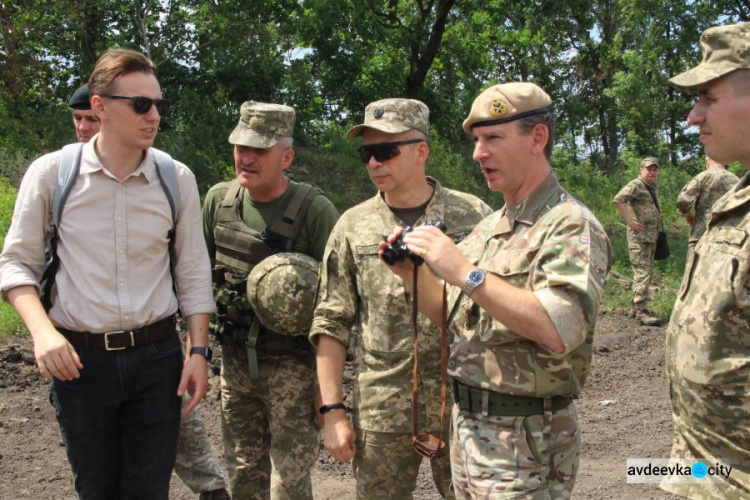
(283, 230)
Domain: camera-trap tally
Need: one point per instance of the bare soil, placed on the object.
(624, 413)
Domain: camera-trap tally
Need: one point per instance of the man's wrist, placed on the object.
(333, 406)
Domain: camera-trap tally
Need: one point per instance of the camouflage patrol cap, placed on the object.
(262, 125)
(80, 98)
(507, 102)
(648, 161)
(281, 291)
(394, 116)
(725, 49)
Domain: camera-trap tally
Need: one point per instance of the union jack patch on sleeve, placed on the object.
(584, 238)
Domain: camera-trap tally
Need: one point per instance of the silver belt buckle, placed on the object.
(106, 341)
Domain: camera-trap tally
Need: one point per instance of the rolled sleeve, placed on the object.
(566, 313)
(192, 268)
(22, 260)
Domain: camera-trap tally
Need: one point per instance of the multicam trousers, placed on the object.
(196, 464)
(497, 457)
(711, 423)
(642, 260)
(271, 440)
(386, 467)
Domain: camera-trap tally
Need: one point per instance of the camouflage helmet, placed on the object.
(281, 290)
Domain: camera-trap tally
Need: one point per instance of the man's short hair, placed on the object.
(115, 63)
(527, 123)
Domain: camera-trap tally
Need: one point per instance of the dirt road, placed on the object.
(624, 413)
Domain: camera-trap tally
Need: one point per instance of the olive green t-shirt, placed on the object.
(312, 237)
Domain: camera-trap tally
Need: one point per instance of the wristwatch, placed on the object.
(206, 352)
(335, 406)
(473, 280)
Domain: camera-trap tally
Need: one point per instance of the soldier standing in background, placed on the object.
(356, 290)
(638, 204)
(708, 338)
(271, 440)
(698, 196)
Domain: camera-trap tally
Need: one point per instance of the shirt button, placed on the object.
(451, 364)
(506, 269)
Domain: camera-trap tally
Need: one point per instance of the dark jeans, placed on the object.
(120, 420)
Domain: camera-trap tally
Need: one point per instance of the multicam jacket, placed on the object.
(642, 209)
(357, 289)
(554, 246)
(708, 338)
(701, 193)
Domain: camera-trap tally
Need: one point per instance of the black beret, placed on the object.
(80, 99)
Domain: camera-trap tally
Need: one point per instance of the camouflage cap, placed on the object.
(648, 161)
(394, 116)
(80, 99)
(507, 102)
(262, 125)
(281, 291)
(725, 49)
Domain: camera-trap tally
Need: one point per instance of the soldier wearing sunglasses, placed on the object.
(357, 290)
(523, 295)
(109, 341)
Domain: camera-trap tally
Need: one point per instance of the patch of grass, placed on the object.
(9, 321)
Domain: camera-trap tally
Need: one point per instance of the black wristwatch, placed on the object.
(206, 352)
(335, 406)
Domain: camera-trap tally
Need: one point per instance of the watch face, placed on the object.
(476, 276)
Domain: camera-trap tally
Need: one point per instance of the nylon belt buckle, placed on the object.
(109, 348)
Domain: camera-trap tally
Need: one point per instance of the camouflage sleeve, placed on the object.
(569, 275)
(337, 303)
(321, 218)
(688, 196)
(625, 194)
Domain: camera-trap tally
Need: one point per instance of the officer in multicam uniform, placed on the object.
(523, 295)
(271, 440)
(708, 338)
(637, 202)
(698, 196)
(357, 290)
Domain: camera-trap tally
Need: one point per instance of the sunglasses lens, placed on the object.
(141, 105)
(162, 106)
(381, 152)
(364, 154)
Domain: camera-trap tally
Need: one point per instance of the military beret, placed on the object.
(80, 99)
(725, 49)
(394, 116)
(262, 125)
(507, 102)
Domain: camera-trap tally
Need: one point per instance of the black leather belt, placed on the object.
(481, 400)
(121, 339)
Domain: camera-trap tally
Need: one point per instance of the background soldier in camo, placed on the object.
(708, 338)
(699, 195)
(642, 215)
(357, 290)
(523, 291)
(271, 440)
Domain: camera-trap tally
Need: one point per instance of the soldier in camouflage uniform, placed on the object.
(698, 196)
(638, 204)
(708, 338)
(523, 294)
(195, 463)
(358, 291)
(271, 440)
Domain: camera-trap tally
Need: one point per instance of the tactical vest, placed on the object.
(239, 249)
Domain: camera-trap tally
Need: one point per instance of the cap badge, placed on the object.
(378, 112)
(253, 122)
(498, 108)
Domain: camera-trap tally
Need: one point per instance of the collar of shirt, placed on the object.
(90, 163)
(527, 212)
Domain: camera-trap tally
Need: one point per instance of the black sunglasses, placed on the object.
(142, 105)
(383, 151)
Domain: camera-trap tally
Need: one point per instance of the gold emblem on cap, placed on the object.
(498, 109)
(253, 122)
